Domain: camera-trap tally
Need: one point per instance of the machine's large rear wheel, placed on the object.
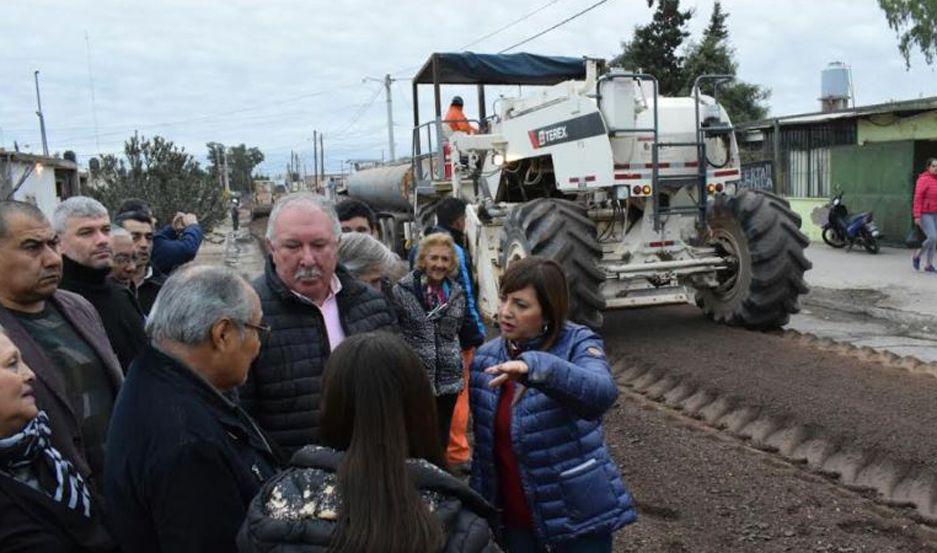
(760, 237)
(560, 230)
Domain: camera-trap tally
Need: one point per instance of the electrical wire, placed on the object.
(361, 111)
(403, 72)
(560, 24)
(511, 24)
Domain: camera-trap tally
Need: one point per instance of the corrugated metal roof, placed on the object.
(921, 104)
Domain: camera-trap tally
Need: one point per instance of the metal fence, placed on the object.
(801, 158)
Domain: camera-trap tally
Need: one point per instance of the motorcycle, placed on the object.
(843, 229)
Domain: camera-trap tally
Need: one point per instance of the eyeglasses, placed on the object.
(263, 331)
(125, 259)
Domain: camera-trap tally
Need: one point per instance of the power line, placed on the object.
(511, 24)
(520, 19)
(361, 111)
(218, 115)
(560, 24)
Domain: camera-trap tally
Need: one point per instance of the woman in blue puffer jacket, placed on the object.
(538, 394)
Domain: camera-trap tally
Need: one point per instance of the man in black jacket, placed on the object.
(311, 304)
(84, 228)
(185, 461)
(147, 281)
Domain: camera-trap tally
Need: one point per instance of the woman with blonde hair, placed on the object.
(433, 315)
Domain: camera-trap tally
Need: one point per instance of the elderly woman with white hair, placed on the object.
(184, 460)
(370, 261)
(434, 319)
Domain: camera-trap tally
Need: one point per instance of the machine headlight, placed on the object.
(497, 159)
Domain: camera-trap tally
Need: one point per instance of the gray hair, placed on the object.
(359, 253)
(308, 200)
(121, 232)
(76, 207)
(8, 208)
(193, 299)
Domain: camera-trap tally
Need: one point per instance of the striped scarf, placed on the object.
(30, 458)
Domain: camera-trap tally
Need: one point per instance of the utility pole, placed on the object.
(315, 157)
(322, 156)
(387, 80)
(227, 185)
(42, 121)
(94, 109)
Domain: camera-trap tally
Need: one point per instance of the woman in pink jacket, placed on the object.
(925, 214)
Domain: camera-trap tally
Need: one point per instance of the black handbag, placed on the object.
(915, 237)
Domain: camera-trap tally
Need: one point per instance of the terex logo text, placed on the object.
(545, 137)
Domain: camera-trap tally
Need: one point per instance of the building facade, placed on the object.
(872, 154)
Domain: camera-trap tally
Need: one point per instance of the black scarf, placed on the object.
(31, 451)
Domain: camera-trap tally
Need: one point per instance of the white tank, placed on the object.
(618, 103)
(835, 81)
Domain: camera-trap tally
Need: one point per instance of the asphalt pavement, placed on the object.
(870, 300)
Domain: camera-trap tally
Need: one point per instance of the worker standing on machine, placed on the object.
(456, 119)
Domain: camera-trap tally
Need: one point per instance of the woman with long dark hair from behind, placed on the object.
(376, 485)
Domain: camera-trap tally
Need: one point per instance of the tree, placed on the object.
(163, 174)
(713, 55)
(654, 46)
(241, 163)
(654, 50)
(915, 23)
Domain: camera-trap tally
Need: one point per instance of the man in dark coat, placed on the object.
(60, 336)
(84, 228)
(185, 460)
(311, 304)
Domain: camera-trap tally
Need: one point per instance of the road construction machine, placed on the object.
(636, 195)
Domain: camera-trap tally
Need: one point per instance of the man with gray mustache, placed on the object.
(84, 228)
(311, 304)
(60, 336)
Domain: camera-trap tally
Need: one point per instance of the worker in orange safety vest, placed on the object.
(456, 119)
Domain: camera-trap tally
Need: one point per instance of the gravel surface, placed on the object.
(699, 491)
(864, 405)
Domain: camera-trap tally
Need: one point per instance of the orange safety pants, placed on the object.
(458, 451)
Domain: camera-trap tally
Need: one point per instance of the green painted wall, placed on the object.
(811, 218)
(877, 177)
(888, 127)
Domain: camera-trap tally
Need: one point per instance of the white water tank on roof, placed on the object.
(835, 86)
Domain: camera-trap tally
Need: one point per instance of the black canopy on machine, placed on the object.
(469, 68)
(499, 69)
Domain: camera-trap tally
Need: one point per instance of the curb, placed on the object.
(864, 353)
(817, 298)
(896, 483)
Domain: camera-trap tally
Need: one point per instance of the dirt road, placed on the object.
(701, 487)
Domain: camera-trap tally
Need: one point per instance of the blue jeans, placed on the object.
(929, 226)
(524, 541)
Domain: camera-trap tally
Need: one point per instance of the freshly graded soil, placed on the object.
(699, 491)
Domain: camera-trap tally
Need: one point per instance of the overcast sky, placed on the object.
(267, 73)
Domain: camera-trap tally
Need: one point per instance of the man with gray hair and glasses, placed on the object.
(59, 335)
(185, 460)
(84, 228)
(311, 303)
